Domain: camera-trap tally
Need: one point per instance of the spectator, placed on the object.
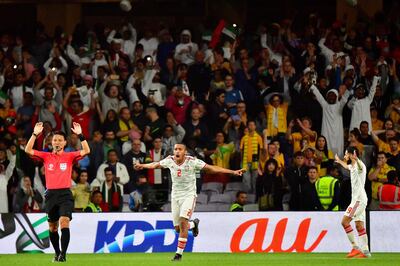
(111, 191)
(328, 192)
(354, 140)
(296, 177)
(269, 187)
(110, 122)
(74, 144)
(232, 95)
(241, 200)
(156, 177)
(138, 117)
(383, 145)
(185, 51)
(234, 129)
(121, 176)
(378, 176)
(221, 156)
(110, 98)
(306, 137)
(16, 93)
(149, 43)
(6, 171)
(195, 128)
(276, 112)
(78, 113)
(95, 201)
(178, 103)
(309, 196)
(27, 199)
(173, 134)
(250, 146)
(81, 192)
(126, 125)
(389, 193)
(136, 196)
(199, 77)
(129, 160)
(360, 105)
(377, 124)
(365, 137)
(323, 156)
(155, 126)
(332, 121)
(24, 114)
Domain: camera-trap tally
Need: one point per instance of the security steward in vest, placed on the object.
(389, 193)
(241, 200)
(95, 201)
(328, 192)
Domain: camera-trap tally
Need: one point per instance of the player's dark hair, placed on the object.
(351, 150)
(239, 193)
(61, 133)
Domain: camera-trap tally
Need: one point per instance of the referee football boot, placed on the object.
(195, 229)
(177, 257)
(62, 258)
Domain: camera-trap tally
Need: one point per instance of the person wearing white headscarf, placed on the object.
(332, 118)
(186, 49)
(5, 175)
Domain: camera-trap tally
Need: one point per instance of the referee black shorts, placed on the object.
(58, 202)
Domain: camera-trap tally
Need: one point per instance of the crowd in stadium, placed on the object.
(279, 102)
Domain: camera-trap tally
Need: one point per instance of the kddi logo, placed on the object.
(257, 244)
(137, 236)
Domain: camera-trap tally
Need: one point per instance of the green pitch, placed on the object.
(203, 259)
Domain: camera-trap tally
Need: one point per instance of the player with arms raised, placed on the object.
(59, 202)
(356, 209)
(183, 195)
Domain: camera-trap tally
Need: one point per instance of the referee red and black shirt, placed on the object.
(58, 167)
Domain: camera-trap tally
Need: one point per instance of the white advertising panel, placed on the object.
(385, 231)
(153, 232)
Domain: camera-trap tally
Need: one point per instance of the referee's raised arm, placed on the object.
(36, 132)
(78, 131)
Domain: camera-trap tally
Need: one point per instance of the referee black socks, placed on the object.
(55, 241)
(64, 240)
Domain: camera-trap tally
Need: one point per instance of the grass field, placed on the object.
(203, 259)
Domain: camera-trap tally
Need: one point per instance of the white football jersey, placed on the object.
(357, 176)
(183, 176)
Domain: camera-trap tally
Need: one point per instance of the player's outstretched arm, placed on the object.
(213, 169)
(36, 132)
(85, 145)
(153, 165)
(343, 164)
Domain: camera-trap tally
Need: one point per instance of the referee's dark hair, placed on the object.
(61, 133)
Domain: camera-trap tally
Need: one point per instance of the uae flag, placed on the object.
(230, 30)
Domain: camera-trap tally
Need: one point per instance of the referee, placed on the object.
(59, 202)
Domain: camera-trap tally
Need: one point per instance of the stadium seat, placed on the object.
(224, 207)
(250, 207)
(125, 198)
(251, 198)
(211, 188)
(235, 186)
(166, 207)
(202, 199)
(220, 198)
(206, 208)
(231, 194)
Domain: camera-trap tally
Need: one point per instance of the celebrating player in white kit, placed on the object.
(356, 209)
(183, 195)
